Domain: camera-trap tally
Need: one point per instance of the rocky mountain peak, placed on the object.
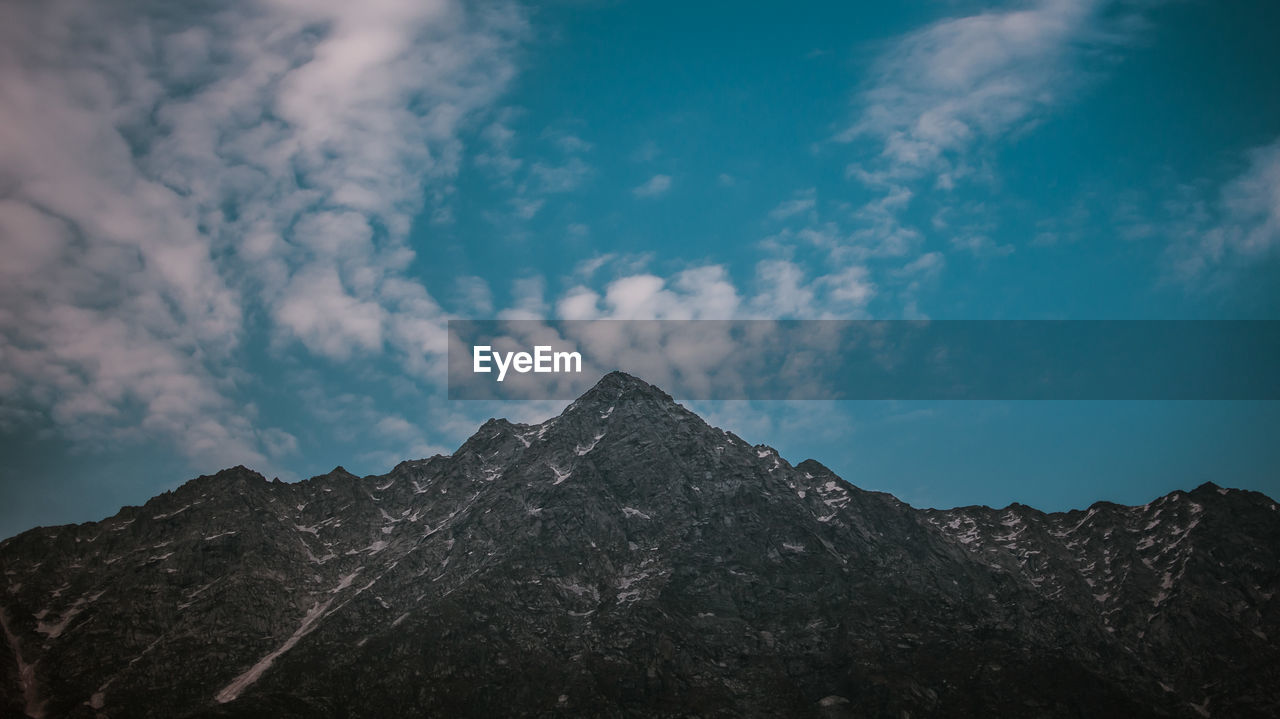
(1208, 489)
(627, 559)
(619, 386)
(815, 468)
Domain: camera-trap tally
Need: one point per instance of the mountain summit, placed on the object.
(627, 559)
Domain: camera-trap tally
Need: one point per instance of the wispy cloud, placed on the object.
(980, 246)
(802, 202)
(569, 142)
(560, 167)
(960, 82)
(562, 177)
(1252, 202)
(937, 102)
(654, 186)
(497, 153)
(1213, 236)
(474, 297)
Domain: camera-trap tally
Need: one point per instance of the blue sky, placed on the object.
(235, 236)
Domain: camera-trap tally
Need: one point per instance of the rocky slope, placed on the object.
(627, 559)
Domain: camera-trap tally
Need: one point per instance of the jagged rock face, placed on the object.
(627, 559)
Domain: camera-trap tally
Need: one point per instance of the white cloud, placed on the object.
(474, 297)
(396, 427)
(637, 297)
(526, 207)
(962, 81)
(782, 290)
(528, 303)
(1240, 227)
(588, 267)
(278, 442)
(531, 182)
(498, 157)
(937, 101)
(927, 265)
(695, 293)
(169, 173)
(560, 178)
(802, 202)
(579, 303)
(693, 354)
(1252, 201)
(699, 292)
(570, 143)
(980, 246)
(654, 186)
(851, 288)
(319, 311)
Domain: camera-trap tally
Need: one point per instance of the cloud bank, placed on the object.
(174, 181)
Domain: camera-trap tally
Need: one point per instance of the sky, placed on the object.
(232, 233)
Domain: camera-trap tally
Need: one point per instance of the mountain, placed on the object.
(627, 559)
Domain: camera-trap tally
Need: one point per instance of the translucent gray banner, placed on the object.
(855, 359)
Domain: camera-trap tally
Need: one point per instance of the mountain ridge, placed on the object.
(625, 558)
